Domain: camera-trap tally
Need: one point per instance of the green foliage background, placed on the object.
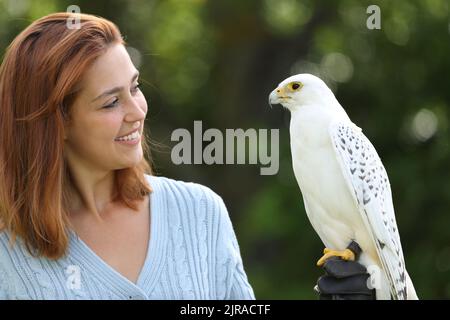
(217, 61)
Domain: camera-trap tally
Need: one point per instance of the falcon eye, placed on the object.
(295, 86)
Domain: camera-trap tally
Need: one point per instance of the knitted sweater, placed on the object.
(192, 254)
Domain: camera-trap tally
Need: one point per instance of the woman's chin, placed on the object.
(129, 163)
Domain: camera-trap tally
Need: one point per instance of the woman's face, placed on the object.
(109, 105)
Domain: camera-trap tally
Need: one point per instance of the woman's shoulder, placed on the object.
(4, 238)
(13, 251)
(8, 249)
(179, 188)
(180, 199)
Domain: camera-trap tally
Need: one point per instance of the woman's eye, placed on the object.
(111, 105)
(136, 88)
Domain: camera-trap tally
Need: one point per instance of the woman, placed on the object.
(82, 216)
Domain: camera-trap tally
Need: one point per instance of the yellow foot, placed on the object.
(346, 254)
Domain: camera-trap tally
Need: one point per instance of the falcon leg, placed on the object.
(346, 254)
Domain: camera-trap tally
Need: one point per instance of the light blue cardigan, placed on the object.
(193, 254)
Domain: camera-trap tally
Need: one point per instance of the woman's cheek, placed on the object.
(114, 122)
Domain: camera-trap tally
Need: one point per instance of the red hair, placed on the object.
(39, 79)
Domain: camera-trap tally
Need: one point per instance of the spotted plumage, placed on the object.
(367, 177)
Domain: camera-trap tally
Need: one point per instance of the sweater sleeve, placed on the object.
(230, 266)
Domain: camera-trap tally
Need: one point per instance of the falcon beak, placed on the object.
(275, 95)
(278, 96)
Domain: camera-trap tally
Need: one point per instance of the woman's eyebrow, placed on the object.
(115, 89)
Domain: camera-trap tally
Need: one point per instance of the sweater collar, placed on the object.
(89, 261)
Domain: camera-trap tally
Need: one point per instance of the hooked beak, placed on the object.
(277, 96)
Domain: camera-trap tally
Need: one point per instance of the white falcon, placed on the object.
(345, 188)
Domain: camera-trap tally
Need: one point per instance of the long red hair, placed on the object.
(39, 80)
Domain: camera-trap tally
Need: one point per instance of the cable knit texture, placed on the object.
(192, 254)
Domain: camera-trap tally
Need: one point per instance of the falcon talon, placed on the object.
(346, 255)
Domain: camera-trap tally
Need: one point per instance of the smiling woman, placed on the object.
(81, 214)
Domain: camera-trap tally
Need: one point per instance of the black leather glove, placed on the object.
(345, 280)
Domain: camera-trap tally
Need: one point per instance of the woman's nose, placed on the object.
(135, 112)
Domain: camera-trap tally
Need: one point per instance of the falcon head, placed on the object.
(299, 90)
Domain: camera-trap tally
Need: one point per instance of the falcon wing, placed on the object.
(368, 182)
